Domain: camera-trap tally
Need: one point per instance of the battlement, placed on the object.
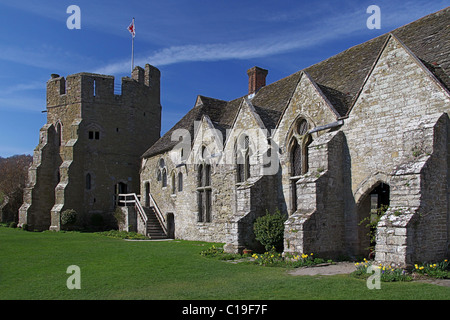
(98, 88)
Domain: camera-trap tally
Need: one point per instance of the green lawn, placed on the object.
(33, 266)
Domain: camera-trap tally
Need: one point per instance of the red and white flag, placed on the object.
(132, 29)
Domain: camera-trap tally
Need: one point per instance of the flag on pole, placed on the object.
(132, 29)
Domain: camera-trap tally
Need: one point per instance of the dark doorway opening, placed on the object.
(170, 226)
(370, 210)
(147, 194)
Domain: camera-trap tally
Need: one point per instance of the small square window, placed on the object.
(91, 135)
(97, 135)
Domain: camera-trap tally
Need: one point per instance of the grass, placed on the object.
(33, 266)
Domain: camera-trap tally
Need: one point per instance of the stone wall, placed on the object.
(98, 138)
(395, 134)
(391, 138)
(318, 225)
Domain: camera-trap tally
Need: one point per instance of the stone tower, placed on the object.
(89, 150)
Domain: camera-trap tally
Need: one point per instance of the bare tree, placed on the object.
(13, 175)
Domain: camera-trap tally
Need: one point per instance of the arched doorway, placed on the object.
(370, 208)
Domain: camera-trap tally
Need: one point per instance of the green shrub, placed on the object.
(68, 217)
(269, 230)
(13, 225)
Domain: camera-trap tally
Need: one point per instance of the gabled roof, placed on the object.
(429, 39)
(269, 102)
(339, 78)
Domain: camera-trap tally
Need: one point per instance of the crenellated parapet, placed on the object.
(98, 88)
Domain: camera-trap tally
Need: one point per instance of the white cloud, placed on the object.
(327, 28)
(253, 48)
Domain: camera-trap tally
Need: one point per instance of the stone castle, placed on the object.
(89, 150)
(329, 146)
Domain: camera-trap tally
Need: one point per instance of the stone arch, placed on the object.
(369, 183)
(372, 199)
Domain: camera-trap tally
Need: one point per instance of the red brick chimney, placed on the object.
(256, 79)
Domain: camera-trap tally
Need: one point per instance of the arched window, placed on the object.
(164, 178)
(180, 182)
(158, 175)
(174, 189)
(298, 150)
(204, 190)
(300, 140)
(243, 153)
(88, 181)
(161, 173)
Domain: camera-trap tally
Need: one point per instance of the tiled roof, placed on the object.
(340, 78)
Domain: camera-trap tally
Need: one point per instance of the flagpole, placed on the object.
(132, 50)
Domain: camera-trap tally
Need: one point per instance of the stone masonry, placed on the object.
(327, 146)
(89, 148)
(330, 146)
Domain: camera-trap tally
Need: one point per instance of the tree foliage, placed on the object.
(13, 173)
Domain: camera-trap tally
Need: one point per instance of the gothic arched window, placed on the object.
(242, 156)
(174, 189)
(298, 151)
(164, 178)
(180, 182)
(204, 191)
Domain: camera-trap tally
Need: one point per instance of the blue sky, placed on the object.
(201, 47)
